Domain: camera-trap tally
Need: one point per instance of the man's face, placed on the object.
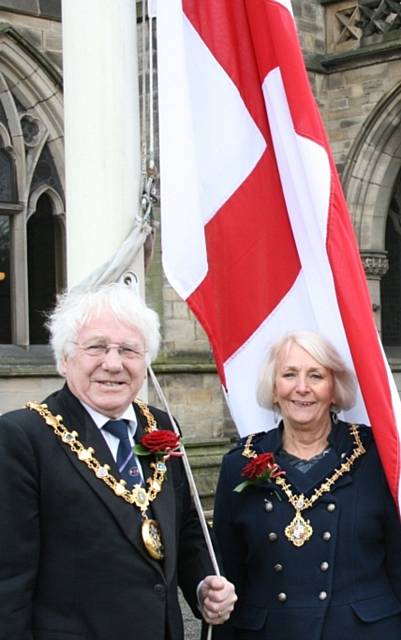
(109, 381)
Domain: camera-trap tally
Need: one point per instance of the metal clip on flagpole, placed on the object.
(191, 483)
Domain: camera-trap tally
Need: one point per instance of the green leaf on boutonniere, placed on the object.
(243, 485)
(140, 450)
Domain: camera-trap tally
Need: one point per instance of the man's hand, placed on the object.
(217, 597)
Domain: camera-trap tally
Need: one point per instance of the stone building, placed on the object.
(353, 54)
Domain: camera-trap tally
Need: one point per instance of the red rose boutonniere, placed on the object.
(163, 443)
(261, 468)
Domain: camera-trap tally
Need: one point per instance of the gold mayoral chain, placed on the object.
(300, 530)
(138, 495)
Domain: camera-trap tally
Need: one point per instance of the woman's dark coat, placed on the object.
(344, 583)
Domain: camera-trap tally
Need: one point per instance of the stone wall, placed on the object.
(41, 32)
(356, 82)
(310, 19)
(15, 391)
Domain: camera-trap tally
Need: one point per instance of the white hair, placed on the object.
(75, 308)
(321, 350)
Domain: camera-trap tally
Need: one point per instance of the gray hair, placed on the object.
(75, 308)
(323, 351)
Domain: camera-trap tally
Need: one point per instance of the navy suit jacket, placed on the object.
(72, 562)
(344, 583)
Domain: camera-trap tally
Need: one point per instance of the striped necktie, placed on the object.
(126, 463)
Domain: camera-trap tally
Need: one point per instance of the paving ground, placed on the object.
(191, 624)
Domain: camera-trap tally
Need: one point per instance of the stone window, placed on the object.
(32, 212)
(7, 201)
(5, 301)
(7, 178)
(44, 239)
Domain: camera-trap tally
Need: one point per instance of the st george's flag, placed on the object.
(256, 234)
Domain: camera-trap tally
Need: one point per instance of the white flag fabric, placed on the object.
(256, 235)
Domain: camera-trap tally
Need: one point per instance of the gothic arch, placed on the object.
(371, 171)
(5, 140)
(370, 179)
(54, 197)
(30, 87)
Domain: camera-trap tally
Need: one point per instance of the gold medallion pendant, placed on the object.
(152, 539)
(299, 530)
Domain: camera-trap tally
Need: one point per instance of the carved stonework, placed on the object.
(342, 24)
(380, 16)
(349, 22)
(375, 264)
(31, 130)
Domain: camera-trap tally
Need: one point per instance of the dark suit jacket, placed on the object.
(72, 562)
(344, 583)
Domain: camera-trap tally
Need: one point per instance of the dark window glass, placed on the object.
(5, 306)
(7, 178)
(390, 289)
(41, 268)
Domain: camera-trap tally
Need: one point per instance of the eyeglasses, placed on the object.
(100, 350)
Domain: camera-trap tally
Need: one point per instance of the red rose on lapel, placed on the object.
(262, 465)
(261, 468)
(161, 441)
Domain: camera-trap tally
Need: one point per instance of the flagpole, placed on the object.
(188, 471)
(191, 482)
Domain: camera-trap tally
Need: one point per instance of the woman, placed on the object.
(307, 529)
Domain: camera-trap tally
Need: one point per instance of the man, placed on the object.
(94, 541)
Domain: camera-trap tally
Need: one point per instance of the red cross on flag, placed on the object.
(256, 235)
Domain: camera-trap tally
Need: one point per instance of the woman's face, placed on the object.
(303, 388)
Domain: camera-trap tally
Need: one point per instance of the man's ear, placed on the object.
(63, 365)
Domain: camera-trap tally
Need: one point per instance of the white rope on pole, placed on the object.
(144, 141)
(149, 195)
(151, 97)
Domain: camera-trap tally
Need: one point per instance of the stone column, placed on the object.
(102, 148)
(375, 264)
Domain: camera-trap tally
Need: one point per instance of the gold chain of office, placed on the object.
(300, 530)
(138, 495)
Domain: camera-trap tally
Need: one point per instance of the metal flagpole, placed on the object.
(191, 483)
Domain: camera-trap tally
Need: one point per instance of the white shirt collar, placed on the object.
(100, 420)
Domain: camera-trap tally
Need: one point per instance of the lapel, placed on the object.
(76, 417)
(163, 508)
